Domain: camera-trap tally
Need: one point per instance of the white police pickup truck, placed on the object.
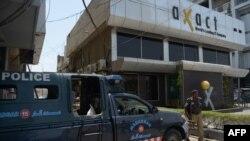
(78, 107)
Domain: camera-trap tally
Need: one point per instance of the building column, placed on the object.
(113, 44)
(232, 2)
(200, 53)
(231, 58)
(210, 4)
(166, 89)
(234, 59)
(166, 50)
(6, 59)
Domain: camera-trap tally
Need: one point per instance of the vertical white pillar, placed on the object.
(113, 44)
(232, 2)
(210, 4)
(231, 58)
(166, 50)
(200, 53)
(235, 59)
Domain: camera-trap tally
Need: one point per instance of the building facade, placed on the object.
(22, 33)
(239, 9)
(162, 48)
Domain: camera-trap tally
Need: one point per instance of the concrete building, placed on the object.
(62, 64)
(22, 33)
(162, 48)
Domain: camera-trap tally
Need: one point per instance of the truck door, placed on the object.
(87, 106)
(134, 119)
(91, 130)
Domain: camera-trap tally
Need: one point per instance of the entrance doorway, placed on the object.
(173, 91)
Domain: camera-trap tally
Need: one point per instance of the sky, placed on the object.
(61, 17)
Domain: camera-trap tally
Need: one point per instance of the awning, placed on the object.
(224, 69)
(145, 65)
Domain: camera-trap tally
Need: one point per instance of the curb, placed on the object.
(210, 133)
(230, 110)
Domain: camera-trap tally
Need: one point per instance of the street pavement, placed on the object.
(195, 138)
(246, 111)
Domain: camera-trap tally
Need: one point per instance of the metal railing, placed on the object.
(240, 1)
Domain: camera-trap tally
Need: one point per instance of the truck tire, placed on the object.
(172, 135)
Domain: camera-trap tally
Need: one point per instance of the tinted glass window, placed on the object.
(175, 51)
(46, 92)
(128, 45)
(130, 106)
(191, 53)
(149, 87)
(215, 56)
(223, 58)
(2, 57)
(8, 92)
(209, 55)
(131, 83)
(152, 49)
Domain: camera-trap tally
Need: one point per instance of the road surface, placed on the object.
(195, 138)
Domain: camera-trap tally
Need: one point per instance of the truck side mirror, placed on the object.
(154, 110)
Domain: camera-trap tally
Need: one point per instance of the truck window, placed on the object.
(130, 106)
(45, 92)
(86, 95)
(76, 92)
(8, 92)
(93, 96)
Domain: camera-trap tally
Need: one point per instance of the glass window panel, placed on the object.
(223, 58)
(130, 106)
(128, 45)
(2, 57)
(46, 92)
(131, 83)
(8, 92)
(152, 49)
(191, 53)
(175, 51)
(149, 87)
(209, 55)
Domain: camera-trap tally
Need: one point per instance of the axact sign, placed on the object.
(198, 22)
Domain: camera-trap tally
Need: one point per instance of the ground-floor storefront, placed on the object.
(171, 89)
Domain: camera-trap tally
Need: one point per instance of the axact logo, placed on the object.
(187, 18)
(236, 132)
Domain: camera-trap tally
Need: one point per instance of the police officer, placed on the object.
(193, 107)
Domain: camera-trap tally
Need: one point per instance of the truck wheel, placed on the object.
(173, 135)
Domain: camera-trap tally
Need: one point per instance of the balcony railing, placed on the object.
(224, 8)
(240, 1)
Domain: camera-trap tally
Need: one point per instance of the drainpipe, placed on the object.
(210, 4)
(6, 59)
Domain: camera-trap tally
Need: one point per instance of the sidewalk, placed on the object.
(209, 134)
(195, 138)
(217, 135)
(246, 111)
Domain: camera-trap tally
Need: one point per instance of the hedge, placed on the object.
(217, 120)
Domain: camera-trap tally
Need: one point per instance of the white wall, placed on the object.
(245, 60)
(157, 17)
(246, 19)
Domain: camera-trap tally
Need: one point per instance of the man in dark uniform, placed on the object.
(193, 107)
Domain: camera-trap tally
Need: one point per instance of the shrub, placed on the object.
(217, 120)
